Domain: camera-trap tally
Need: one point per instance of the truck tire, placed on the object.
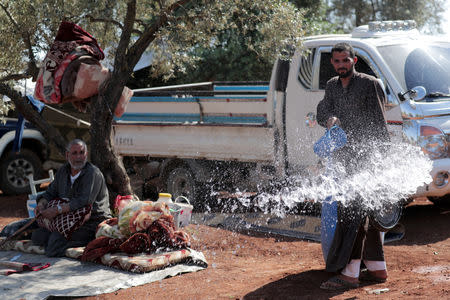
(180, 182)
(14, 169)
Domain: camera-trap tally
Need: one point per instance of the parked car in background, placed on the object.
(16, 166)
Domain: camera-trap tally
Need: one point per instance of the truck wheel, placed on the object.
(180, 182)
(14, 170)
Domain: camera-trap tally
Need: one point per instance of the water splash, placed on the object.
(386, 178)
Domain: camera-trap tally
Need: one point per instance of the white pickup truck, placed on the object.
(248, 135)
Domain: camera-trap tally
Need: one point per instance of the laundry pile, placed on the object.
(141, 227)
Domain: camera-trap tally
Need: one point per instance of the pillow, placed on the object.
(65, 223)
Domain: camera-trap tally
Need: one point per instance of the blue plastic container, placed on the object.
(333, 139)
(328, 224)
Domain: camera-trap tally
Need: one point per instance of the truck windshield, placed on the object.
(417, 64)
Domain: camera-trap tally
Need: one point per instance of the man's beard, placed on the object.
(77, 165)
(346, 74)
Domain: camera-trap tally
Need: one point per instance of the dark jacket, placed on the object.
(88, 188)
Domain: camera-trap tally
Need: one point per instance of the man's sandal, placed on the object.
(370, 277)
(336, 283)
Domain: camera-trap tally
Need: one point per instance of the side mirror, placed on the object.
(417, 93)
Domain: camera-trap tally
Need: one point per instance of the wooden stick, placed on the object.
(18, 231)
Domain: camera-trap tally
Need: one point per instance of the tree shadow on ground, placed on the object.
(305, 285)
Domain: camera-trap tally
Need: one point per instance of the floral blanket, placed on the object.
(142, 227)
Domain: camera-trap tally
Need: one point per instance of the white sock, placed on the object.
(352, 269)
(373, 265)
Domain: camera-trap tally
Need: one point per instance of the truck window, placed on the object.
(306, 69)
(327, 71)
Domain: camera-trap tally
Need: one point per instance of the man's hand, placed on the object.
(41, 206)
(333, 121)
(50, 213)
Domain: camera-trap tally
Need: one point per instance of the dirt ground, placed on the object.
(256, 266)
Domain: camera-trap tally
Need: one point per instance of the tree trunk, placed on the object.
(102, 152)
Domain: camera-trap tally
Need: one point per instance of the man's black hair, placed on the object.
(340, 47)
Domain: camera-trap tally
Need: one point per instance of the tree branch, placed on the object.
(124, 41)
(14, 77)
(50, 133)
(135, 52)
(112, 21)
(32, 70)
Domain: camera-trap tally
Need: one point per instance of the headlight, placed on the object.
(433, 141)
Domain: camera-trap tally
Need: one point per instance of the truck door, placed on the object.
(308, 76)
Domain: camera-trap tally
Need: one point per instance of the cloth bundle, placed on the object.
(65, 223)
(142, 226)
(72, 72)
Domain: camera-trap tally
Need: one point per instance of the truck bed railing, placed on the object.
(207, 89)
(224, 103)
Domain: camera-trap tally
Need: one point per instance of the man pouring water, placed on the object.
(354, 101)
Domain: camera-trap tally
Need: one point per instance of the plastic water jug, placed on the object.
(31, 205)
(164, 197)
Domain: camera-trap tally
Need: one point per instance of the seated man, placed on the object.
(82, 184)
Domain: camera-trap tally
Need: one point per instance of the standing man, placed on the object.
(354, 101)
(82, 184)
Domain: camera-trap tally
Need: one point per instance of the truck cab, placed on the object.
(414, 70)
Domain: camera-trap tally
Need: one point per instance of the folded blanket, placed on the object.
(142, 227)
(159, 235)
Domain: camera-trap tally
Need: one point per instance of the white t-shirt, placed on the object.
(72, 178)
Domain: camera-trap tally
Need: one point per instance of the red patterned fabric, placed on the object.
(121, 201)
(71, 42)
(65, 223)
(99, 247)
(137, 243)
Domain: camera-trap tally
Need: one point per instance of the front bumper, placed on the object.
(440, 167)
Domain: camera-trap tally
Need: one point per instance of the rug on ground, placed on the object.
(91, 278)
(138, 263)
